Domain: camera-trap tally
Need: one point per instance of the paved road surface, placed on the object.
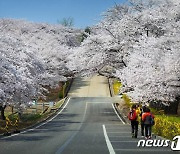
(96, 86)
(85, 125)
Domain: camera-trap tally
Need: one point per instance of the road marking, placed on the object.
(118, 114)
(109, 145)
(40, 124)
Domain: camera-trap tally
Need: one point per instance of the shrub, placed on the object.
(127, 100)
(166, 127)
(116, 86)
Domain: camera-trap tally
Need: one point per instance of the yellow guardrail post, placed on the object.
(16, 125)
(8, 122)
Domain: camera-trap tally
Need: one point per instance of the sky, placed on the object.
(84, 12)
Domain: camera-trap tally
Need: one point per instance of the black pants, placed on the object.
(134, 128)
(142, 129)
(148, 130)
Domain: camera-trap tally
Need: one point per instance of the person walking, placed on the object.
(133, 117)
(142, 110)
(148, 119)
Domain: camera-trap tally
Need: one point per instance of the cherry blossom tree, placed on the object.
(33, 56)
(151, 45)
(140, 40)
(143, 36)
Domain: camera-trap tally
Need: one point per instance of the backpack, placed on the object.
(149, 120)
(132, 115)
(152, 122)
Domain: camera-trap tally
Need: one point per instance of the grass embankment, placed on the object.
(27, 119)
(166, 126)
(116, 86)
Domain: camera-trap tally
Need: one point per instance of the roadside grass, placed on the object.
(116, 89)
(156, 111)
(28, 119)
(167, 126)
(170, 118)
(127, 100)
(117, 86)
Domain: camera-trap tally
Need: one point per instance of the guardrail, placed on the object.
(9, 123)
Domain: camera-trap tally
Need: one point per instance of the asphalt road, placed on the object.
(84, 125)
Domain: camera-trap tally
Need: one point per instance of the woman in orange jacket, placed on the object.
(148, 119)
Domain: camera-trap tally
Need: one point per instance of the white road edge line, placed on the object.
(109, 145)
(40, 124)
(118, 115)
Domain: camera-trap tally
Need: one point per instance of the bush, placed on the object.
(61, 94)
(166, 126)
(116, 86)
(127, 100)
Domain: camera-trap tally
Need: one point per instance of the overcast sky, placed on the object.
(84, 12)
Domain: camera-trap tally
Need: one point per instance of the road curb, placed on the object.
(120, 114)
(116, 104)
(69, 87)
(110, 90)
(110, 87)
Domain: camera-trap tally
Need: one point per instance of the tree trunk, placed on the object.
(12, 109)
(178, 109)
(2, 112)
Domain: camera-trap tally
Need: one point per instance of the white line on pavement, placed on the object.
(110, 148)
(118, 114)
(40, 124)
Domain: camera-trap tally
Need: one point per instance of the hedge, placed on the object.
(165, 127)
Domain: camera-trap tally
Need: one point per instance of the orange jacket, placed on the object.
(144, 115)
